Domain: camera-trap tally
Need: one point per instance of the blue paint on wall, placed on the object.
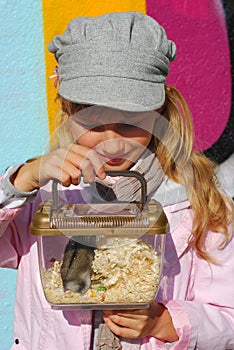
(24, 129)
(24, 126)
(7, 294)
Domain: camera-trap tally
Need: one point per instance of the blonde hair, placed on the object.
(62, 136)
(174, 149)
(195, 171)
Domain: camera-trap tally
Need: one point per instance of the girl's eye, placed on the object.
(124, 128)
(90, 126)
(129, 126)
(96, 128)
(121, 127)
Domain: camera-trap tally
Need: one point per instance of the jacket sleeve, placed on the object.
(205, 319)
(15, 238)
(202, 326)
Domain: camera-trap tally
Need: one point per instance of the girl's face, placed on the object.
(118, 137)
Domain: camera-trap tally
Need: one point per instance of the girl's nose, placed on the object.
(113, 140)
(110, 131)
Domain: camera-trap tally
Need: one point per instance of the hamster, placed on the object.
(76, 268)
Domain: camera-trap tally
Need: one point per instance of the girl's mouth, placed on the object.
(115, 160)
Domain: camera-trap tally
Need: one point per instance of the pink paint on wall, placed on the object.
(201, 70)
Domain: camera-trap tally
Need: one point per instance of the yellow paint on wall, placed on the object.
(57, 14)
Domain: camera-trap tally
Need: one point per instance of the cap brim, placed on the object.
(114, 92)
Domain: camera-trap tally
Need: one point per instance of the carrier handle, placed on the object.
(113, 173)
(137, 175)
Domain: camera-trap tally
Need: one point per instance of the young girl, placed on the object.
(118, 114)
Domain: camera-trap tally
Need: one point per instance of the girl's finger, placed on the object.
(58, 167)
(125, 321)
(67, 165)
(133, 314)
(120, 330)
(75, 166)
(95, 160)
(72, 163)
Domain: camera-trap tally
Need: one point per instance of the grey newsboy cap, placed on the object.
(118, 60)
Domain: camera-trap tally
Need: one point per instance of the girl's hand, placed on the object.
(65, 165)
(154, 321)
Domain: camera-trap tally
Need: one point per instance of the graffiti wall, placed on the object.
(204, 33)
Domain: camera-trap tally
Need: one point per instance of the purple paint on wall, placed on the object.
(202, 68)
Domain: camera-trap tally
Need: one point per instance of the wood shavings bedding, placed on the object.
(127, 273)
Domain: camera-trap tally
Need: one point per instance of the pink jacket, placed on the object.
(198, 295)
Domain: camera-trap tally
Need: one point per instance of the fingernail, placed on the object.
(102, 176)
